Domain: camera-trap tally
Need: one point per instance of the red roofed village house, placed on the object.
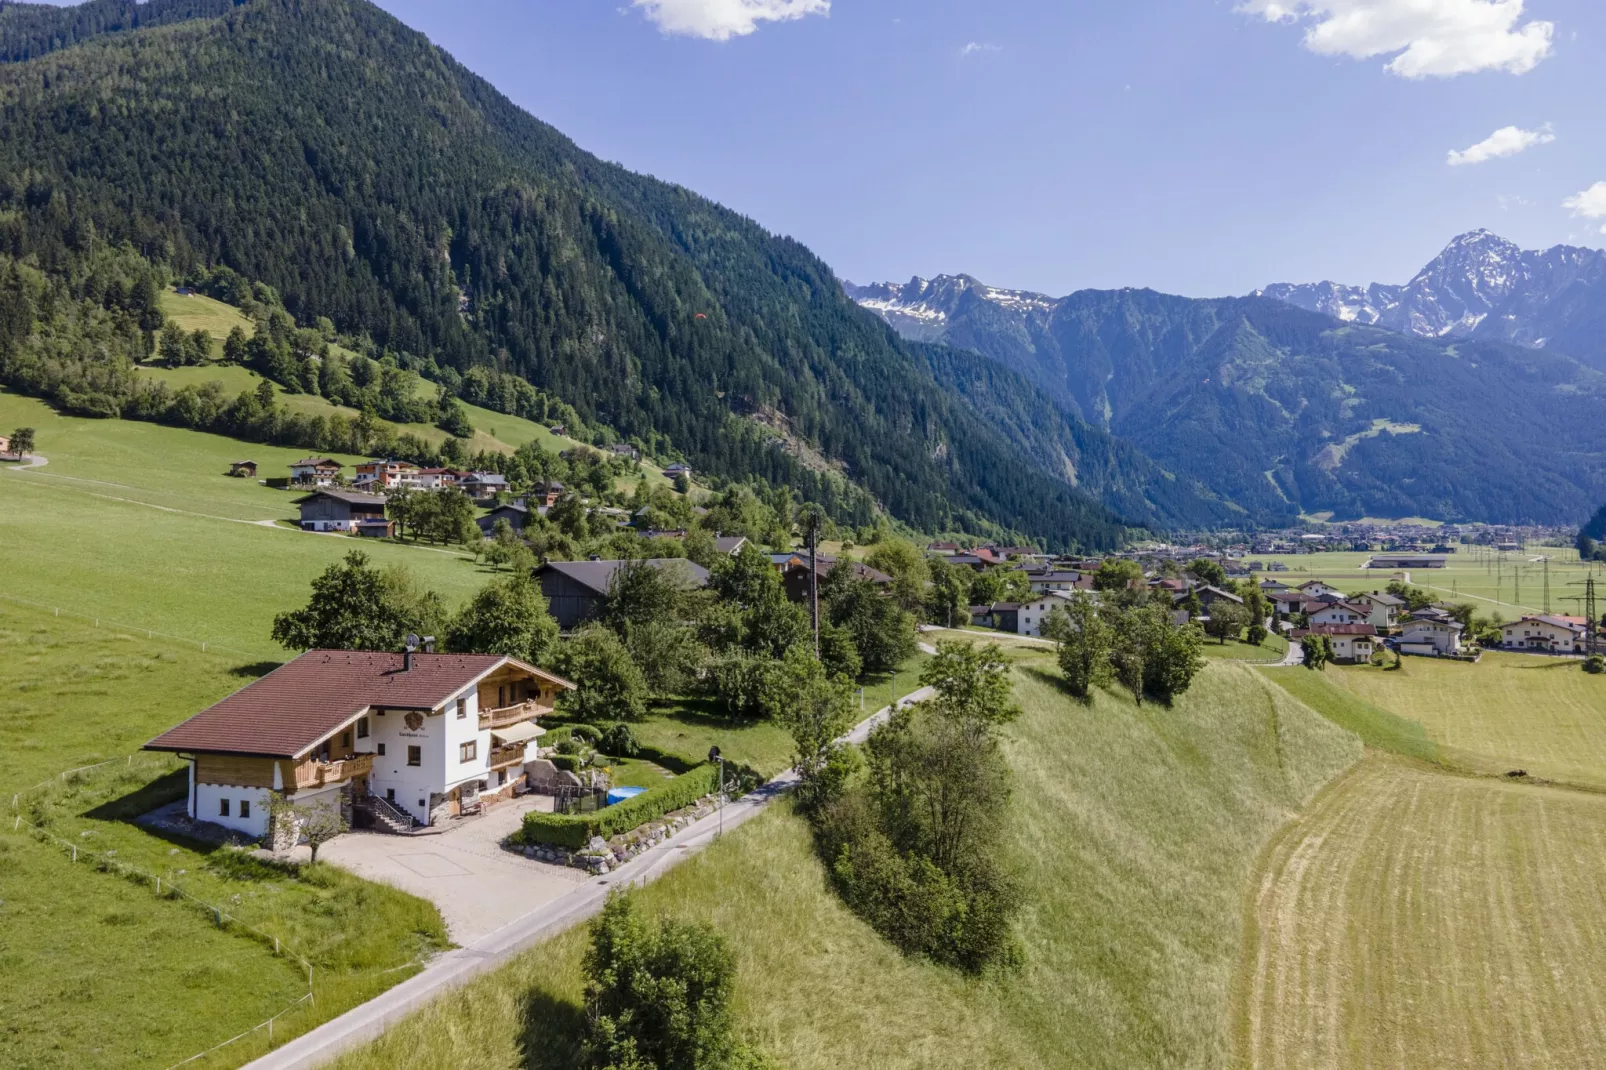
(407, 738)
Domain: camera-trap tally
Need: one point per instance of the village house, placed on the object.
(943, 548)
(1342, 613)
(404, 739)
(545, 495)
(675, 471)
(5, 444)
(386, 474)
(483, 486)
(1433, 638)
(1209, 596)
(624, 449)
(1316, 589)
(1547, 634)
(1353, 644)
(437, 478)
(243, 469)
(1030, 618)
(1045, 582)
(794, 570)
(331, 509)
(1385, 608)
(316, 472)
(576, 590)
(729, 545)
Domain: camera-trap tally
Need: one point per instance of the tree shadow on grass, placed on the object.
(252, 670)
(551, 1032)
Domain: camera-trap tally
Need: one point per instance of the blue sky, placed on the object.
(1193, 146)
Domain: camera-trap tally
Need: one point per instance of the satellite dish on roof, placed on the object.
(412, 641)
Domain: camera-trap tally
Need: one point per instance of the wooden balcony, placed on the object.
(511, 715)
(315, 774)
(507, 754)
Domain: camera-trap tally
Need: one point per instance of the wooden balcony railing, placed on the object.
(313, 774)
(507, 754)
(511, 715)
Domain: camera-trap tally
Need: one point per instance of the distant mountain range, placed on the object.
(1481, 286)
(1286, 410)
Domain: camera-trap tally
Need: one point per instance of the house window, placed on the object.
(390, 795)
(362, 728)
(345, 739)
(245, 808)
(462, 708)
(381, 750)
(415, 755)
(468, 751)
(223, 808)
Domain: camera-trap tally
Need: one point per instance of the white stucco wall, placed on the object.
(207, 803)
(440, 736)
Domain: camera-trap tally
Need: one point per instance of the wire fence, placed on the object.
(166, 888)
(205, 645)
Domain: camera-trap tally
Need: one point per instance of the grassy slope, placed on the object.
(1273, 650)
(1135, 832)
(1414, 918)
(137, 523)
(79, 943)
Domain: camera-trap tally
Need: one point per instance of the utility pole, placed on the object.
(812, 518)
(1547, 585)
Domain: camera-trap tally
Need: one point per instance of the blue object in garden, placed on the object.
(619, 795)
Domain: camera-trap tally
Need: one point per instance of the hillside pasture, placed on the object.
(1414, 918)
(197, 312)
(1134, 830)
(103, 972)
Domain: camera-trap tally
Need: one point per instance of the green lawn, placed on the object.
(79, 942)
(1273, 650)
(1135, 831)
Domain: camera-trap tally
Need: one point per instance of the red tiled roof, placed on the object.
(299, 704)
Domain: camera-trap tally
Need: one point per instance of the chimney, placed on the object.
(407, 654)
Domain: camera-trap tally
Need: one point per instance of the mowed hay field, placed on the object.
(1418, 919)
(1135, 832)
(1510, 711)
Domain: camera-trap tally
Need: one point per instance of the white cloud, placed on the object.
(720, 20)
(1507, 141)
(1427, 38)
(1590, 204)
(978, 46)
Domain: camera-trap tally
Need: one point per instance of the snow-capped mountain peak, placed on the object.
(1480, 284)
(921, 308)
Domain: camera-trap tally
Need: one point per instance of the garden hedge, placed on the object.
(574, 831)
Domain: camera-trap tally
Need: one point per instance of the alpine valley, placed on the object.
(1473, 391)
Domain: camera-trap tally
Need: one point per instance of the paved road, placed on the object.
(457, 968)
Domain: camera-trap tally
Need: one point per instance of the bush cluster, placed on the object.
(575, 831)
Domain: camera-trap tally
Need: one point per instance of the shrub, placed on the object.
(575, 831)
(659, 996)
(620, 742)
(739, 682)
(1595, 663)
(586, 732)
(570, 763)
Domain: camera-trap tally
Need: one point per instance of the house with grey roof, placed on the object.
(576, 590)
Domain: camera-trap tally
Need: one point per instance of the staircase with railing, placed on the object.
(386, 815)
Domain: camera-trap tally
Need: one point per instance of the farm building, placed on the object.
(243, 469)
(576, 590)
(330, 509)
(1552, 635)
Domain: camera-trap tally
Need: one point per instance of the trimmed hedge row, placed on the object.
(574, 831)
(567, 762)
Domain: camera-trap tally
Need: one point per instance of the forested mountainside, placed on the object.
(1284, 411)
(321, 147)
